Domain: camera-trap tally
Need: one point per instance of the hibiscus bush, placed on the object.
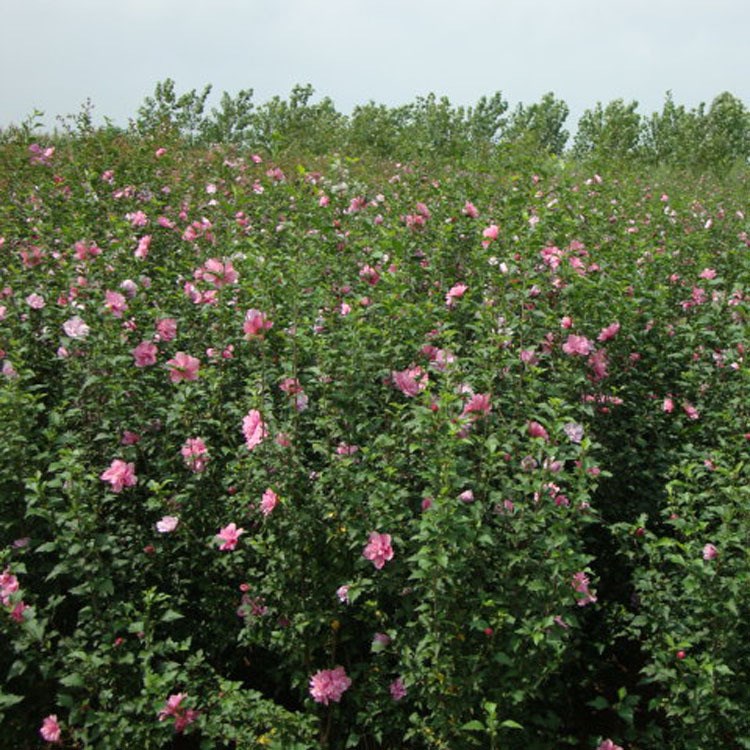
(306, 453)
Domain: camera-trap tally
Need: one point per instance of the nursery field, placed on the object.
(333, 451)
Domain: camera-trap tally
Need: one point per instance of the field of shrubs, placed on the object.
(309, 446)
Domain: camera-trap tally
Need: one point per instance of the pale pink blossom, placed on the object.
(229, 536)
(579, 345)
(490, 234)
(141, 252)
(342, 592)
(120, 475)
(35, 301)
(254, 429)
(115, 303)
(216, 272)
(76, 328)
(195, 454)
(608, 745)
(690, 411)
(378, 550)
(708, 273)
(183, 367)
(137, 219)
(668, 405)
(268, 502)
(454, 293)
(574, 432)
(328, 685)
(50, 729)
(467, 496)
(167, 524)
(710, 552)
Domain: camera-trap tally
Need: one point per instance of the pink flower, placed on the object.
(580, 584)
(115, 303)
(167, 524)
(470, 210)
(710, 552)
(254, 429)
(35, 301)
(467, 496)
(166, 329)
(120, 475)
(370, 275)
(329, 685)
(609, 332)
(137, 219)
(608, 745)
(183, 367)
(346, 449)
(490, 233)
(50, 729)
(378, 550)
(479, 405)
(255, 323)
(668, 405)
(229, 536)
(574, 431)
(268, 502)
(75, 328)
(536, 430)
(577, 345)
(410, 381)
(213, 271)
(456, 291)
(690, 411)
(397, 689)
(172, 707)
(141, 252)
(145, 354)
(195, 454)
(708, 273)
(342, 592)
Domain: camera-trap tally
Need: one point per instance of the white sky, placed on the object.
(54, 54)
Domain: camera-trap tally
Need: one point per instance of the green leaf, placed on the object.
(510, 724)
(473, 726)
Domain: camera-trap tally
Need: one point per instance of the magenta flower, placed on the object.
(183, 367)
(145, 354)
(254, 429)
(229, 536)
(120, 475)
(579, 345)
(397, 689)
(50, 729)
(268, 502)
(378, 550)
(173, 708)
(329, 685)
(410, 381)
(536, 430)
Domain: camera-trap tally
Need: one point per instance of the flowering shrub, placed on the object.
(375, 458)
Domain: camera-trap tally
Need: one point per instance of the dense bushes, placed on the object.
(358, 454)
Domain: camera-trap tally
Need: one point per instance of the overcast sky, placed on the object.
(55, 54)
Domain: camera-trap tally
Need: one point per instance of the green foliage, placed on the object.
(531, 377)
